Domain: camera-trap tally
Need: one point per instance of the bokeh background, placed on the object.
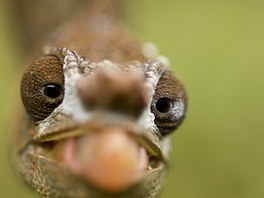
(216, 47)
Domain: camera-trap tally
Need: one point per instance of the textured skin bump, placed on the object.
(171, 88)
(117, 92)
(47, 70)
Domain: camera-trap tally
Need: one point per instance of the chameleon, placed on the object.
(98, 107)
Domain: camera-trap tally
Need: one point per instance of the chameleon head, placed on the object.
(98, 129)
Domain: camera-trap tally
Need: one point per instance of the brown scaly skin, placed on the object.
(97, 34)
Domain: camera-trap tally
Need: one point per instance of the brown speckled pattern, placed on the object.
(47, 70)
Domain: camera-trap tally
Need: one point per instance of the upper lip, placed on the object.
(148, 140)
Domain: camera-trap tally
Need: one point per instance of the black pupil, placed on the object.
(52, 90)
(163, 105)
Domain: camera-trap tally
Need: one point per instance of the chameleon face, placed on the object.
(98, 129)
(99, 110)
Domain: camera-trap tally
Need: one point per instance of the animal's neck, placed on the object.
(97, 37)
(39, 18)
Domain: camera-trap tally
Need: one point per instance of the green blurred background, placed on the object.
(217, 49)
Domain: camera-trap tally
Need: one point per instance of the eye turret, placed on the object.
(169, 103)
(42, 87)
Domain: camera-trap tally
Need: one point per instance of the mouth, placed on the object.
(109, 157)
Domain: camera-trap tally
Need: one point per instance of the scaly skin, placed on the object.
(93, 44)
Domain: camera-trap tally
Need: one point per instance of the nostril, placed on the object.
(113, 91)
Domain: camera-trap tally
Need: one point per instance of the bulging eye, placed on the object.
(42, 87)
(169, 103)
(52, 90)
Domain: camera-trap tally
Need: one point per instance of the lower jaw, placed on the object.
(60, 181)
